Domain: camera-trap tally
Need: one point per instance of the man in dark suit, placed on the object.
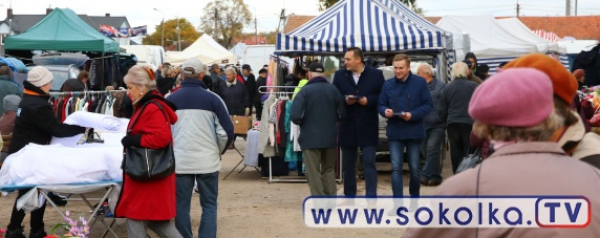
(250, 82)
(359, 127)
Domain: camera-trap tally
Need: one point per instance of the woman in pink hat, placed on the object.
(525, 162)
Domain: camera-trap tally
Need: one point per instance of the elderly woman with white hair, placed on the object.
(453, 112)
(148, 204)
(234, 94)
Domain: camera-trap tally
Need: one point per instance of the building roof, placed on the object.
(115, 21)
(21, 23)
(578, 27)
(295, 21)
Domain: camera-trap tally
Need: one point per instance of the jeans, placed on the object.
(137, 229)
(320, 171)
(459, 136)
(259, 107)
(349, 157)
(208, 188)
(397, 156)
(430, 148)
(17, 216)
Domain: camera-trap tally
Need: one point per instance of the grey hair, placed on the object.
(427, 69)
(230, 69)
(138, 75)
(459, 70)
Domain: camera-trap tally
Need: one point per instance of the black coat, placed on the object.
(36, 123)
(260, 82)
(73, 85)
(251, 87)
(317, 108)
(360, 124)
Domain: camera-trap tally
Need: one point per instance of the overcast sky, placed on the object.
(140, 12)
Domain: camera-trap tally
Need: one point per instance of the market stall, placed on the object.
(63, 31)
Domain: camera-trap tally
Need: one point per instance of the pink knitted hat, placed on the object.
(518, 97)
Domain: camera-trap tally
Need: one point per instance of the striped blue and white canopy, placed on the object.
(372, 25)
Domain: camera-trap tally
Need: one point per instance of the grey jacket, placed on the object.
(317, 108)
(263, 140)
(432, 120)
(531, 168)
(454, 103)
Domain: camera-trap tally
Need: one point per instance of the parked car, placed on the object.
(61, 73)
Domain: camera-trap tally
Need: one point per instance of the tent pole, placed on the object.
(103, 73)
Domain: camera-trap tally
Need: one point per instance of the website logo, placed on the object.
(448, 212)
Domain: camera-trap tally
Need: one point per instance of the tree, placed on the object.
(324, 4)
(224, 20)
(188, 34)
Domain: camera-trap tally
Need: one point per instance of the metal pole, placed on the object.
(178, 35)
(162, 26)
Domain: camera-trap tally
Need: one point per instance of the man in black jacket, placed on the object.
(317, 108)
(261, 81)
(35, 123)
(454, 112)
(250, 84)
(359, 127)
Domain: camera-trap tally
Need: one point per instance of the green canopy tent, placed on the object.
(62, 30)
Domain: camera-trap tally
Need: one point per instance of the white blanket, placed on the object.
(64, 161)
(100, 123)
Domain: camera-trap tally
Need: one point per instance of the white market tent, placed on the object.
(518, 29)
(205, 49)
(492, 42)
(238, 50)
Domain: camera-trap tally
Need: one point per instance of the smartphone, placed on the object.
(352, 96)
(399, 114)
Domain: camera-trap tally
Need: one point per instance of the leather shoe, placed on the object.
(425, 182)
(434, 182)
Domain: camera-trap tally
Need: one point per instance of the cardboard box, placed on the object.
(241, 124)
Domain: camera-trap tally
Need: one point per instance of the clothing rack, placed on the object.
(292, 180)
(77, 93)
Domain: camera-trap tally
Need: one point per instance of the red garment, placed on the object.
(240, 79)
(150, 200)
(63, 112)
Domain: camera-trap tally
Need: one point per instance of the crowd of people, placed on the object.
(523, 118)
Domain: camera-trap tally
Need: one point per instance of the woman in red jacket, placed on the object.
(148, 204)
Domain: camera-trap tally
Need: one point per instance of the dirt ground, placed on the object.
(249, 206)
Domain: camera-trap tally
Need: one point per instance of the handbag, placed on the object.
(145, 164)
(470, 161)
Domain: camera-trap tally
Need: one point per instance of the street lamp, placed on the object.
(162, 26)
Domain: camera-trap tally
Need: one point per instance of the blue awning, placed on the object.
(373, 25)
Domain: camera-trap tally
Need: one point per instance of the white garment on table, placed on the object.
(99, 122)
(294, 134)
(251, 154)
(55, 164)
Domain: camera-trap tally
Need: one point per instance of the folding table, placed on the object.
(112, 189)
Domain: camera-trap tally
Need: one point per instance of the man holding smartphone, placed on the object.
(405, 100)
(359, 127)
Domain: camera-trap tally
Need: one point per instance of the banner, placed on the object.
(139, 31)
(124, 32)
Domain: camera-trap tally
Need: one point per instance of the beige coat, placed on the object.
(533, 168)
(583, 146)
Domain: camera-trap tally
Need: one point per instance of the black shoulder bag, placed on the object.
(145, 164)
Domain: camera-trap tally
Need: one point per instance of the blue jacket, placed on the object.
(432, 120)
(411, 96)
(203, 131)
(360, 124)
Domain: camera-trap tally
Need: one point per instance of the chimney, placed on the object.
(107, 15)
(9, 13)
(48, 10)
